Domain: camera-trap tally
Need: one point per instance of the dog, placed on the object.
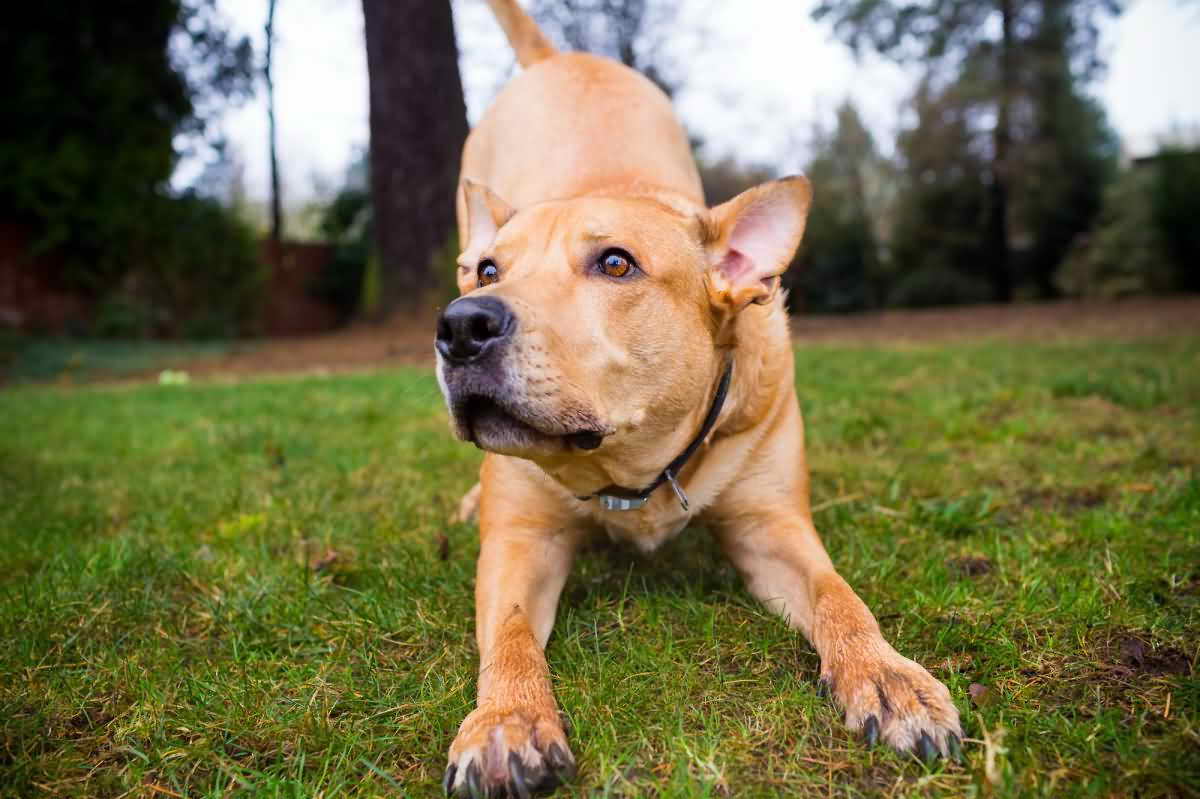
(621, 352)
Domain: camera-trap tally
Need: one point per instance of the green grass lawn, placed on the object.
(251, 589)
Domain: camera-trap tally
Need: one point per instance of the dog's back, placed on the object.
(575, 123)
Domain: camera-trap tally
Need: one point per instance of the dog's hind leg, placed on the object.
(513, 743)
(468, 507)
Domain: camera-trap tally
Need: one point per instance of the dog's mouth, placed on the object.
(505, 429)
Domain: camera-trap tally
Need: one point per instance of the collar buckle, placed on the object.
(613, 502)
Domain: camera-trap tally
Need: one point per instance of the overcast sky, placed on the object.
(754, 88)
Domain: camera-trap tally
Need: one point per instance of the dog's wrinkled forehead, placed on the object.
(656, 233)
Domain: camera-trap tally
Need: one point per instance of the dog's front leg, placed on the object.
(883, 693)
(513, 742)
(765, 526)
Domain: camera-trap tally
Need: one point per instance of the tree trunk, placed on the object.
(276, 201)
(1001, 276)
(418, 124)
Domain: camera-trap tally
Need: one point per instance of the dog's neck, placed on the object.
(615, 497)
(754, 384)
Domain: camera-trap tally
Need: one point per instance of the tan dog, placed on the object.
(610, 320)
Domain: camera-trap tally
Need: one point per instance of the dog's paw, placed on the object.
(888, 697)
(507, 753)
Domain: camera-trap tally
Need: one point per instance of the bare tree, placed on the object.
(276, 200)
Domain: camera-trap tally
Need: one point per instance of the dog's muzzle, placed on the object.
(486, 393)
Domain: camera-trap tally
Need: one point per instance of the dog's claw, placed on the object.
(448, 780)
(516, 770)
(824, 689)
(871, 731)
(562, 763)
(473, 786)
(925, 748)
(954, 747)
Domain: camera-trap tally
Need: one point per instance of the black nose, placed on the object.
(470, 326)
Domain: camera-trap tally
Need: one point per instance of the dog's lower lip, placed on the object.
(585, 440)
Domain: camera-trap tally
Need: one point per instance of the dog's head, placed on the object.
(593, 327)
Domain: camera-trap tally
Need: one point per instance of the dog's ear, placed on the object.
(485, 213)
(751, 239)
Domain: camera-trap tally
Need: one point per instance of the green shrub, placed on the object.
(346, 223)
(1125, 253)
(1175, 207)
(351, 281)
(193, 272)
(930, 286)
(123, 317)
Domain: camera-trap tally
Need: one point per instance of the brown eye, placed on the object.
(488, 273)
(616, 263)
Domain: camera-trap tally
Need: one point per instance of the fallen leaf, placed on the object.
(981, 695)
(324, 561)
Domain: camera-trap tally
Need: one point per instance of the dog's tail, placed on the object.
(526, 38)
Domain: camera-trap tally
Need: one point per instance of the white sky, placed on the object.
(763, 75)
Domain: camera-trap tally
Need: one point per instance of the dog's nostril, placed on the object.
(483, 327)
(469, 325)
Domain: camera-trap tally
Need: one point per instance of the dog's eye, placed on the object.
(616, 263)
(488, 273)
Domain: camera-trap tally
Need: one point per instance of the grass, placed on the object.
(250, 589)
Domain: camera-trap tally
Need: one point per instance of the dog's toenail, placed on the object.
(954, 746)
(871, 729)
(562, 763)
(926, 749)
(473, 781)
(448, 780)
(516, 770)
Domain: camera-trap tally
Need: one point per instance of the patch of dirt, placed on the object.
(408, 340)
(1064, 499)
(1118, 668)
(1124, 319)
(401, 341)
(1189, 588)
(970, 565)
(1141, 657)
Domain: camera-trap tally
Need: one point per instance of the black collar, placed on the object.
(615, 497)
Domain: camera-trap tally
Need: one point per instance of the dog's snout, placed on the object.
(470, 326)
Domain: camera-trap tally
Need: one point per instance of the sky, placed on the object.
(756, 82)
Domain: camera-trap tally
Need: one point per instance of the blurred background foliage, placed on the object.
(101, 101)
(1005, 181)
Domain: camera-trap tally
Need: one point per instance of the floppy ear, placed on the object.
(483, 214)
(751, 241)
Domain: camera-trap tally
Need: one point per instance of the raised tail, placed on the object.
(526, 38)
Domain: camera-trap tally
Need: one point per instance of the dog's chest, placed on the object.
(647, 529)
